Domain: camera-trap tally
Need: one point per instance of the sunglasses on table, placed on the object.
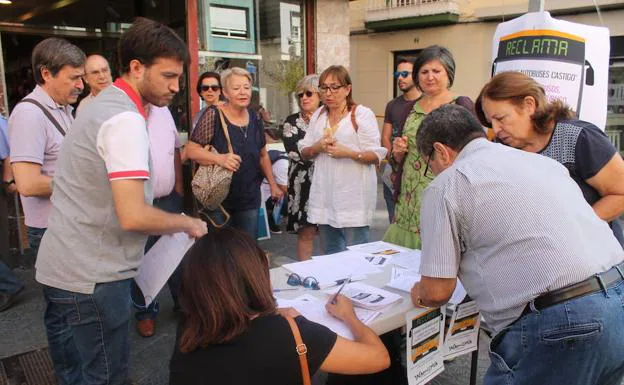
(307, 93)
(307, 282)
(402, 74)
(214, 88)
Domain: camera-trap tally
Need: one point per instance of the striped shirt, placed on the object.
(511, 225)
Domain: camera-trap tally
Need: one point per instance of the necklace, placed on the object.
(244, 130)
(331, 130)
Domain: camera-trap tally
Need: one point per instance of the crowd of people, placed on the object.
(529, 224)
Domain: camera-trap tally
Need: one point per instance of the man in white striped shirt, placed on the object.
(545, 271)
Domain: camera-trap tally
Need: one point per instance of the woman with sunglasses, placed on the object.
(517, 109)
(209, 89)
(344, 141)
(231, 331)
(433, 74)
(300, 170)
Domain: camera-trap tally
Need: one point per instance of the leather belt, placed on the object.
(591, 285)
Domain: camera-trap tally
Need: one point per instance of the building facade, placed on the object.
(383, 30)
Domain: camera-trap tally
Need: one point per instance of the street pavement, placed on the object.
(22, 329)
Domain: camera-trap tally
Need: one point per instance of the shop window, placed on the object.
(229, 22)
(271, 46)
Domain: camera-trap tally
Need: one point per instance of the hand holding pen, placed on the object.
(342, 308)
(344, 283)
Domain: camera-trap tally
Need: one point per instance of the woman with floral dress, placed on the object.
(434, 72)
(299, 170)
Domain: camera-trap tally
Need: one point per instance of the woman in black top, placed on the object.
(230, 331)
(299, 170)
(517, 109)
(250, 160)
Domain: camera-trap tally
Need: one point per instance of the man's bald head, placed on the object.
(97, 73)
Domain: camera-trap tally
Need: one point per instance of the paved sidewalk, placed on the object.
(22, 329)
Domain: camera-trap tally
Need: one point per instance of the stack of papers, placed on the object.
(313, 309)
(367, 296)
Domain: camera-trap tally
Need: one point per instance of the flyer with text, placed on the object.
(463, 332)
(424, 344)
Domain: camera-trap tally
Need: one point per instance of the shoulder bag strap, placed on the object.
(301, 349)
(47, 114)
(226, 131)
(353, 121)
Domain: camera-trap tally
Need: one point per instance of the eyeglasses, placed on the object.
(426, 173)
(307, 93)
(205, 88)
(333, 88)
(308, 282)
(402, 74)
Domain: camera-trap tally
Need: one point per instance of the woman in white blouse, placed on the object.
(344, 141)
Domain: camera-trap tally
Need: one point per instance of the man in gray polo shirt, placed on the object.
(102, 213)
(544, 269)
(35, 138)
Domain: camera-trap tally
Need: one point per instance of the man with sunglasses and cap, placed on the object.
(396, 113)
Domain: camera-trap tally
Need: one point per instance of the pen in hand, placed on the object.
(333, 301)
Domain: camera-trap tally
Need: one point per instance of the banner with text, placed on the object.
(570, 60)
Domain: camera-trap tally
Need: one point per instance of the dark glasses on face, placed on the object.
(214, 88)
(307, 282)
(427, 173)
(402, 74)
(307, 93)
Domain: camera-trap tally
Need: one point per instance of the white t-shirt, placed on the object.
(280, 174)
(344, 191)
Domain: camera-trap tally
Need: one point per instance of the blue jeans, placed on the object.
(34, 238)
(335, 240)
(580, 341)
(389, 198)
(243, 220)
(172, 203)
(88, 333)
(9, 283)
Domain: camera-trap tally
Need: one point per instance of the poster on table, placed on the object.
(462, 335)
(424, 344)
(570, 60)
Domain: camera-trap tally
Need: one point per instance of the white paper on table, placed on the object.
(365, 315)
(331, 268)
(367, 296)
(379, 248)
(409, 260)
(160, 262)
(424, 345)
(313, 309)
(463, 332)
(403, 279)
(355, 259)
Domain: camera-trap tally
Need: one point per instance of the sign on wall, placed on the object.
(570, 60)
